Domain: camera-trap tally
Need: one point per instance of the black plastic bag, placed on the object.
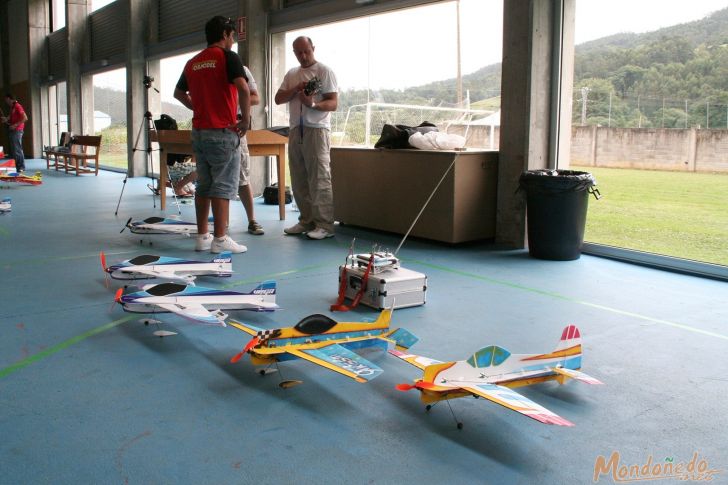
(165, 122)
(397, 136)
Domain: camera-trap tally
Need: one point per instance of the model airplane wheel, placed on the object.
(428, 407)
(460, 425)
(261, 372)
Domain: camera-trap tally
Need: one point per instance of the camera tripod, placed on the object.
(147, 123)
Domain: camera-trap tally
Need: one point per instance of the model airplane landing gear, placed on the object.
(459, 424)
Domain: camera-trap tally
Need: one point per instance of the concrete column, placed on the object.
(534, 60)
(37, 104)
(253, 53)
(137, 92)
(593, 148)
(79, 89)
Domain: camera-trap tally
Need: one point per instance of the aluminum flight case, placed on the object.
(405, 287)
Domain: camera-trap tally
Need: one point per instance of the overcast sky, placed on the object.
(415, 46)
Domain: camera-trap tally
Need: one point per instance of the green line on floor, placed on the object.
(570, 299)
(60, 346)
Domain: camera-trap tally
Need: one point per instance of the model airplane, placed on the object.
(6, 205)
(8, 165)
(492, 371)
(21, 178)
(161, 225)
(184, 271)
(192, 302)
(326, 342)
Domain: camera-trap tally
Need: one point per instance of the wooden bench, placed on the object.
(51, 153)
(84, 148)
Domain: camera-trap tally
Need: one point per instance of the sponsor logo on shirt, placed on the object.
(204, 65)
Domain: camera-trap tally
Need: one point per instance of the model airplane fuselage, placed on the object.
(195, 303)
(326, 342)
(162, 225)
(492, 371)
(149, 266)
(6, 205)
(20, 178)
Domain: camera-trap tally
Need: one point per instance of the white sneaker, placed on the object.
(297, 229)
(204, 242)
(226, 244)
(319, 233)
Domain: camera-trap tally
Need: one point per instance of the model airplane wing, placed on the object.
(512, 400)
(165, 275)
(195, 312)
(341, 360)
(249, 329)
(415, 360)
(578, 375)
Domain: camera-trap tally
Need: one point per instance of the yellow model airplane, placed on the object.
(325, 342)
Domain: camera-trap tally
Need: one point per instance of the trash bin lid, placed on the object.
(555, 181)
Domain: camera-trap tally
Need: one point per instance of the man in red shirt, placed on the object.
(16, 124)
(213, 85)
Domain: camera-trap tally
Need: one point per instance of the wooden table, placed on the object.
(260, 143)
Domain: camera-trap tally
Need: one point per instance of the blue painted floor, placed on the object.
(89, 395)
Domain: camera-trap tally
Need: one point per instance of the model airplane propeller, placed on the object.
(492, 371)
(193, 302)
(184, 271)
(325, 342)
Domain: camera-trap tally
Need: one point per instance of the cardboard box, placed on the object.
(385, 190)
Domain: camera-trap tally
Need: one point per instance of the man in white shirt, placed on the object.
(311, 92)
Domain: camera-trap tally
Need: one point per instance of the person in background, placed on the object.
(244, 190)
(16, 124)
(214, 87)
(312, 94)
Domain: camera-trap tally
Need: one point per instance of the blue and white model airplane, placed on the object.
(184, 271)
(6, 205)
(161, 225)
(194, 302)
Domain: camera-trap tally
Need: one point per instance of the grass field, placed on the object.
(671, 213)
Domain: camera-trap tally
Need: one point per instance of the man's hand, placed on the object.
(4, 119)
(305, 100)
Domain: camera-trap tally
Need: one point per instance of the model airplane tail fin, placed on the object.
(223, 257)
(402, 338)
(265, 288)
(570, 340)
(384, 318)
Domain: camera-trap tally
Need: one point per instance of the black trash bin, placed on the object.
(556, 204)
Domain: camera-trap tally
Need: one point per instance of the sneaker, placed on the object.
(319, 233)
(204, 242)
(297, 229)
(255, 228)
(226, 244)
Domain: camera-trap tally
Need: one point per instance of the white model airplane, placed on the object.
(184, 271)
(6, 205)
(492, 372)
(161, 225)
(192, 302)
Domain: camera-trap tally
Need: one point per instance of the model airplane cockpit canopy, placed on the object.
(314, 324)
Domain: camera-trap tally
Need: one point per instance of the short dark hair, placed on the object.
(217, 26)
(8, 95)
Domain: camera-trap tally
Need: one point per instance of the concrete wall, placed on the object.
(690, 150)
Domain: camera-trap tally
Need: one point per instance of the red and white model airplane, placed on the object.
(492, 371)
